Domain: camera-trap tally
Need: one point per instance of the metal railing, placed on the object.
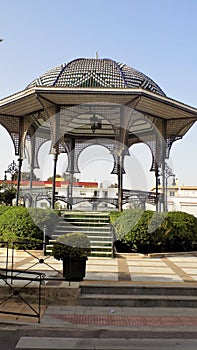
(39, 257)
(14, 298)
(6, 262)
(15, 294)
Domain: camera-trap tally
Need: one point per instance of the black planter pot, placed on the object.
(74, 269)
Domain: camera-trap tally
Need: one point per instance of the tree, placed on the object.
(65, 176)
(115, 185)
(51, 177)
(7, 193)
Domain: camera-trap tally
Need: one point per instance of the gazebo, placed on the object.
(94, 101)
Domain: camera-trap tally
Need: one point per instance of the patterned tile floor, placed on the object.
(125, 317)
(169, 268)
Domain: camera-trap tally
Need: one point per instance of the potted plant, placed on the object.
(73, 249)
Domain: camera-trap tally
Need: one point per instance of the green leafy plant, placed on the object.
(180, 232)
(16, 224)
(44, 218)
(7, 193)
(148, 231)
(73, 245)
(3, 208)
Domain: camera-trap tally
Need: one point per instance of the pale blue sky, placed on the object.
(155, 37)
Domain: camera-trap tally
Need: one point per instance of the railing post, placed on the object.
(44, 239)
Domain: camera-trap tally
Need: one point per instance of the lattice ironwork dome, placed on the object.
(98, 73)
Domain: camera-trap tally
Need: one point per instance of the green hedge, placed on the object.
(4, 208)
(148, 231)
(180, 232)
(22, 224)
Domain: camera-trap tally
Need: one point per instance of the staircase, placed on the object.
(95, 224)
(137, 296)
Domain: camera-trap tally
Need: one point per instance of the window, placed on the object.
(96, 193)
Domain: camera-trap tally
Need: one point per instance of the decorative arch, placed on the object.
(13, 135)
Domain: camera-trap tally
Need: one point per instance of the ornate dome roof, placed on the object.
(96, 73)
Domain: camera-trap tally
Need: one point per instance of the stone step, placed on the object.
(142, 343)
(96, 248)
(91, 238)
(96, 225)
(99, 250)
(137, 296)
(84, 224)
(104, 242)
(89, 219)
(138, 300)
(99, 234)
(71, 228)
(90, 235)
(101, 254)
(100, 247)
(86, 214)
(137, 289)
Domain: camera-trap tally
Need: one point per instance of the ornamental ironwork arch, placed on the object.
(62, 140)
(98, 82)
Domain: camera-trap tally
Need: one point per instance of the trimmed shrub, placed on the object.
(180, 232)
(45, 217)
(75, 245)
(22, 224)
(114, 216)
(4, 208)
(148, 231)
(123, 223)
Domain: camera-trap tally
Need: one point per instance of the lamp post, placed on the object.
(12, 169)
(167, 173)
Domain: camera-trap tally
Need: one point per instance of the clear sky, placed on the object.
(155, 37)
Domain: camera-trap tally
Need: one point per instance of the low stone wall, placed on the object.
(54, 295)
(50, 295)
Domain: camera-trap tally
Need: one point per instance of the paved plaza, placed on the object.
(177, 268)
(130, 268)
(126, 269)
(96, 327)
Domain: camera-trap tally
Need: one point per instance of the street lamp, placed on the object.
(12, 169)
(167, 173)
(95, 123)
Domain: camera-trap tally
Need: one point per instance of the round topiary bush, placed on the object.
(180, 232)
(135, 231)
(148, 231)
(75, 245)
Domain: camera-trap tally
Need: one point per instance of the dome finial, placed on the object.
(97, 56)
